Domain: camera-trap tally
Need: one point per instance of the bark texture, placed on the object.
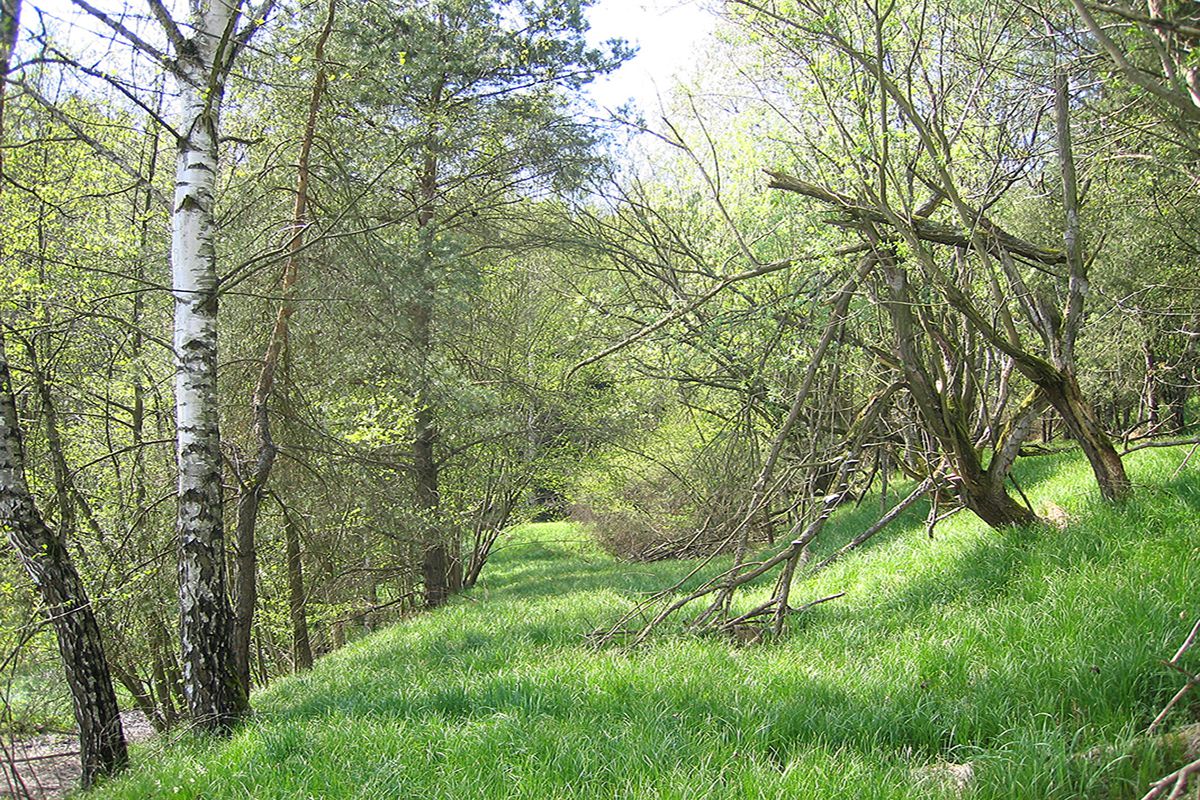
(44, 555)
(216, 700)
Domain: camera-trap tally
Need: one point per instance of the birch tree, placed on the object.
(203, 61)
(43, 551)
(199, 56)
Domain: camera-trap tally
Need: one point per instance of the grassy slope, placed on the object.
(1015, 651)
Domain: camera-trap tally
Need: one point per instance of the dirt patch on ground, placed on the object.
(47, 767)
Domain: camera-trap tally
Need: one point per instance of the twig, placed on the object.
(1185, 461)
(1192, 682)
(46, 757)
(1187, 643)
(1177, 782)
(812, 603)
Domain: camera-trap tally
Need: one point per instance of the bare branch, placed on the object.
(100, 148)
(125, 33)
(766, 269)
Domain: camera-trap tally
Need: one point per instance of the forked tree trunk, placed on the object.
(1063, 391)
(216, 699)
(982, 491)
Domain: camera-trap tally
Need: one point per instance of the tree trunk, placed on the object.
(435, 558)
(1150, 398)
(165, 672)
(43, 553)
(1081, 421)
(253, 486)
(302, 655)
(214, 695)
(1062, 388)
(982, 491)
(142, 694)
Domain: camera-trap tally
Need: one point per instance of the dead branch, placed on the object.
(1193, 679)
(994, 238)
(922, 489)
(741, 574)
(1194, 440)
(1176, 783)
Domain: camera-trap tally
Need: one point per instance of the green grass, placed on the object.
(1019, 652)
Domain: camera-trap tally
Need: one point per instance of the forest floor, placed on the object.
(1019, 664)
(46, 767)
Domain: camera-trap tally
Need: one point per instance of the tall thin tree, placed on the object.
(254, 484)
(43, 552)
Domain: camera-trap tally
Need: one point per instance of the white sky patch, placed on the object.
(670, 36)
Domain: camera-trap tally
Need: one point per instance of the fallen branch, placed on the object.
(1193, 680)
(1177, 782)
(740, 574)
(46, 757)
(923, 489)
(1194, 440)
(1185, 461)
(767, 607)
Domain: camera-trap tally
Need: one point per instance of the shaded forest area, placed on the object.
(305, 306)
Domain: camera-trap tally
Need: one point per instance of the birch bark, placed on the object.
(215, 699)
(43, 552)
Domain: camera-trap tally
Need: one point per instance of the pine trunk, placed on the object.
(435, 557)
(302, 655)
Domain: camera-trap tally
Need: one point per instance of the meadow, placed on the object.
(1025, 662)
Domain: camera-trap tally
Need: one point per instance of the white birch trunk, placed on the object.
(215, 699)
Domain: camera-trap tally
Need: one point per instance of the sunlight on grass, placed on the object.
(1020, 652)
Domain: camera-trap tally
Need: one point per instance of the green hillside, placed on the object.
(1034, 657)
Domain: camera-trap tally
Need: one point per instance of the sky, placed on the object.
(669, 35)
